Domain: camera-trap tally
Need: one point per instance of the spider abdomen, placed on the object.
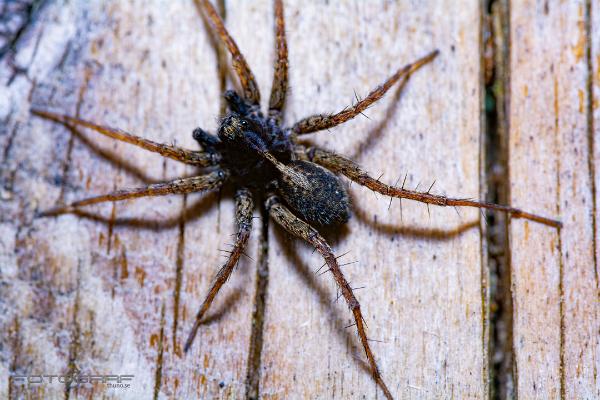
(323, 200)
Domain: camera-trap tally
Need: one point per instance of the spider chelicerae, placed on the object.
(261, 157)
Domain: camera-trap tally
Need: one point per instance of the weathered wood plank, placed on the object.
(107, 65)
(594, 141)
(101, 295)
(555, 287)
(422, 298)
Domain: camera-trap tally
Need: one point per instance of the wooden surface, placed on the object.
(116, 294)
(555, 275)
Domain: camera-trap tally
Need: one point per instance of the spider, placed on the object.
(261, 158)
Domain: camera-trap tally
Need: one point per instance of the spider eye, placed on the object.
(244, 123)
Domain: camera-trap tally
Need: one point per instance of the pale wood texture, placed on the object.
(422, 298)
(556, 313)
(117, 294)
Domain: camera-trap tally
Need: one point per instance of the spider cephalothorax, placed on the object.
(259, 156)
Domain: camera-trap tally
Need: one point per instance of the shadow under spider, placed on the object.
(374, 134)
(226, 304)
(391, 229)
(309, 278)
(201, 206)
(115, 159)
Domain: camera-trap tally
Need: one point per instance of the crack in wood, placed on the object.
(9, 142)
(18, 70)
(7, 176)
(67, 162)
(561, 283)
(17, 345)
(502, 364)
(159, 357)
(591, 138)
(259, 310)
(75, 345)
(111, 226)
(485, 41)
(28, 11)
(179, 263)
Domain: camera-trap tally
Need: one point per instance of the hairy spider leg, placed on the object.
(207, 141)
(245, 75)
(287, 173)
(209, 181)
(243, 215)
(353, 171)
(192, 157)
(320, 122)
(284, 217)
(280, 77)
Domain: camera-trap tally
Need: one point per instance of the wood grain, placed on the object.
(422, 298)
(555, 284)
(110, 288)
(116, 292)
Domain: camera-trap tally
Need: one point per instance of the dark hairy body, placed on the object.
(261, 158)
(259, 154)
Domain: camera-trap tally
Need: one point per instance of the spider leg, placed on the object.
(280, 78)
(284, 217)
(199, 158)
(350, 169)
(249, 86)
(212, 180)
(243, 215)
(207, 141)
(320, 122)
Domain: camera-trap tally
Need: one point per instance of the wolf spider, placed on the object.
(261, 157)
